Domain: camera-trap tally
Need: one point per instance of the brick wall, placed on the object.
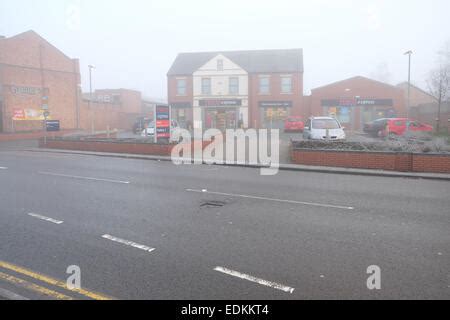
(405, 162)
(118, 146)
(172, 90)
(431, 163)
(104, 116)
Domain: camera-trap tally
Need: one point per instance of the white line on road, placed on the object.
(38, 216)
(128, 243)
(80, 177)
(3, 168)
(263, 282)
(272, 199)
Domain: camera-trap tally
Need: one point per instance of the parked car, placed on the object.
(396, 127)
(323, 128)
(150, 130)
(374, 128)
(140, 124)
(294, 124)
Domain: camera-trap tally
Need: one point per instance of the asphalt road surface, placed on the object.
(151, 230)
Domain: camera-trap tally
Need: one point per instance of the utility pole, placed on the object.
(408, 53)
(90, 99)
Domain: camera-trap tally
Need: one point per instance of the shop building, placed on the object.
(236, 89)
(36, 78)
(356, 101)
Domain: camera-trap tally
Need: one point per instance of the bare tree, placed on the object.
(439, 81)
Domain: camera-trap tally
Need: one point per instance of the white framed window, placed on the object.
(181, 87)
(264, 85)
(234, 85)
(286, 84)
(206, 86)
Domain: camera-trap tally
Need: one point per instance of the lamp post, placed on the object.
(90, 98)
(408, 53)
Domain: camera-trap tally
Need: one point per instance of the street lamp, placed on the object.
(90, 98)
(408, 53)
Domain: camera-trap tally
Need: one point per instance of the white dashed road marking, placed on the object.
(38, 216)
(272, 199)
(3, 168)
(84, 178)
(263, 282)
(128, 243)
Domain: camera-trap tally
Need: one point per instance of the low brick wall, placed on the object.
(32, 135)
(436, 163)
(114, 147)
(392, 161)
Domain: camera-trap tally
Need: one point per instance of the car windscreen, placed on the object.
(325, 124)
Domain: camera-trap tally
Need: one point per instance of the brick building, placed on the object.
(356, 101)
(417, 95)
(35, 76)
(233, 89)
(114, 109)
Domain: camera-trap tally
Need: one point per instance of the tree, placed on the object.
(439, 80)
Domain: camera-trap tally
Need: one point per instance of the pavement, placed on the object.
(140, 229)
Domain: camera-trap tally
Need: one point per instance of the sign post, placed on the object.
(46, 114)
(162, 123)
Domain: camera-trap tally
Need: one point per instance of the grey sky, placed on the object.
(133, 43)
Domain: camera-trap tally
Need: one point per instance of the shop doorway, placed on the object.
(180, 115)
(221, 118)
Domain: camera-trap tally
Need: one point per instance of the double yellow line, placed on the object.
(45, 279)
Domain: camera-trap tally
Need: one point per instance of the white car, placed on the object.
(324, 128)
(149, 132)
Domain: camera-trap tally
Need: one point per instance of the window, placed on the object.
(234, 85)
(220, 65)
(206, 86)
(286, 84)
(325, 124)
(264, 85)
(181, 87)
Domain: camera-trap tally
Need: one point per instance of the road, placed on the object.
(152, 230)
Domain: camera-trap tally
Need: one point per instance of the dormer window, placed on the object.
(220, 65)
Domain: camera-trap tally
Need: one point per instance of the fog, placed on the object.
(133, 43)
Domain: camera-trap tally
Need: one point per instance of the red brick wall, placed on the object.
(275, 95)
(172, 90)
(431, 163)
(105, 115)
(118, 147)
(405, 162)
(112, 147)
(130, 100)
(21, 59)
